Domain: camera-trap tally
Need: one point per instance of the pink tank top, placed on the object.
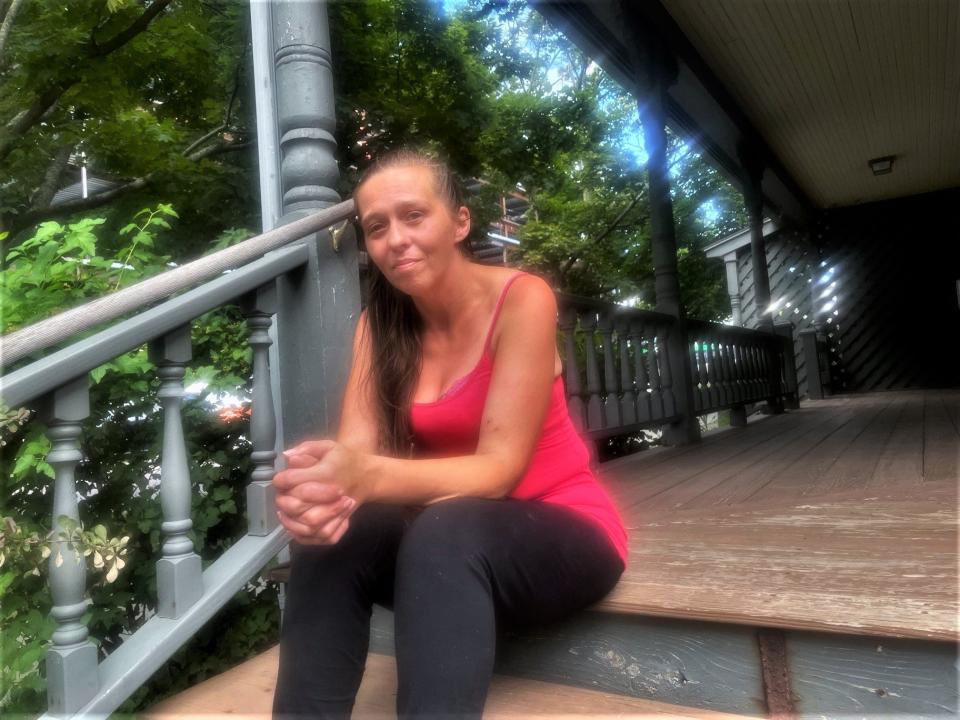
(559, 470)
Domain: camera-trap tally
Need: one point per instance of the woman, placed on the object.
(457, 490)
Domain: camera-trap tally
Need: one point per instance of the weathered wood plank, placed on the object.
(690, 488)
(854, 467)
(901, 460)
(866, 565)
(872, 678)
(749, 482)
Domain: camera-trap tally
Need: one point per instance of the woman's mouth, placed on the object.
(404, 264)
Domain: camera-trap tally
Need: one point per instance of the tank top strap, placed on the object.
(496, 310)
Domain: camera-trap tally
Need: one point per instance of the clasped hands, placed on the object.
(319, 491)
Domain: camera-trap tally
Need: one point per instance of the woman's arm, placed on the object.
(516, 406)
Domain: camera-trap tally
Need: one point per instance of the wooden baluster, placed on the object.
(720, 357)
(713, 374)
(611, 382)
(259, 307)
(640, 371)
(568, 325)
(72, 677)
(698, 375)
(666, 373)
(595, 418)
(738, 413)
(628, 401)
(654, 342)
(179, 571)
(755, 373)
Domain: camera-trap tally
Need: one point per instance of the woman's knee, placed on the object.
(455, 530)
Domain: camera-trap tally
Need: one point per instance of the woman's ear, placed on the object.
(463, 223)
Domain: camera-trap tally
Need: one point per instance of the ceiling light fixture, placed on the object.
(882, 165)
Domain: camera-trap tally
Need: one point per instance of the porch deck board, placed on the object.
(839, 517)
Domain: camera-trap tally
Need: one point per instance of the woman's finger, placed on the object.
(286, 480)
(300, 460)
(291, 506)
(317, 448)
(316, 492)
(321, 516)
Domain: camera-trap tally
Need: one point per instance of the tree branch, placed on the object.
(23, 121)
(8, 16)
(565, 268)
(130, 32)
(38, 215)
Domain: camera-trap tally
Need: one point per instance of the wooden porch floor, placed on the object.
(840, 516)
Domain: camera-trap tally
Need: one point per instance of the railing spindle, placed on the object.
(574, 388)
(611, 382)
(259, 307)
(640, 371)
(595, 417)
(179, 571)
(628, 401)
(72, 677)
(654, 344)
(666, 373)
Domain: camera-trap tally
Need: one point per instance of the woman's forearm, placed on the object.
(425, 481)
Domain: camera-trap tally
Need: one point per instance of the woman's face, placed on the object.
(410, 231)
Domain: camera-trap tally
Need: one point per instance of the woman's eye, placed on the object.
(373, 229)
(414, 215)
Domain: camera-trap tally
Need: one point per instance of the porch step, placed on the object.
(246, 692)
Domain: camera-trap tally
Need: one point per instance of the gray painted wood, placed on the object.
(611, 385)
(259, 308)
(837, 676)
(628, 401)
(568, 326)
(595, 416)
(71, 658)
(179, 583)
(317, 309)
(692, 664)
(713, 666)
(131, 665)
(42, 376)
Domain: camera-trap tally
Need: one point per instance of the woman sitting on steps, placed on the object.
(457, 492)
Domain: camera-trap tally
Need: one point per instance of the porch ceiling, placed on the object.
(831, 84)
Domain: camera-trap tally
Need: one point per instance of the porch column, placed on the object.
(317, 308)
(654, 71)
(753, 197)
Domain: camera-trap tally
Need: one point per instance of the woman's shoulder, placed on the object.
(528, 302)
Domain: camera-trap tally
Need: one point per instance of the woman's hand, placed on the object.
(326, 462)
(317, 514)
(313, 505)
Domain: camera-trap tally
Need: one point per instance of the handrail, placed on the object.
(64, 325)
(52, 371)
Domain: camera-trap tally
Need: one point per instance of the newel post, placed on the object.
(317, 306)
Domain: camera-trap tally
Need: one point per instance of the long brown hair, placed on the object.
(394, 322)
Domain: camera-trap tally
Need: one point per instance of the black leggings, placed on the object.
(452, 573)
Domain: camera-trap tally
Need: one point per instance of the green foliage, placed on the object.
(118, 477)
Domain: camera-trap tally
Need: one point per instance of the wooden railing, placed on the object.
(620, 375)
(57, 387)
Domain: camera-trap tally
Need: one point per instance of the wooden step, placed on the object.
(246, 692)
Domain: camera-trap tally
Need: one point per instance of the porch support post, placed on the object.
(753, 197)
(317, 306)
(654, 71)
